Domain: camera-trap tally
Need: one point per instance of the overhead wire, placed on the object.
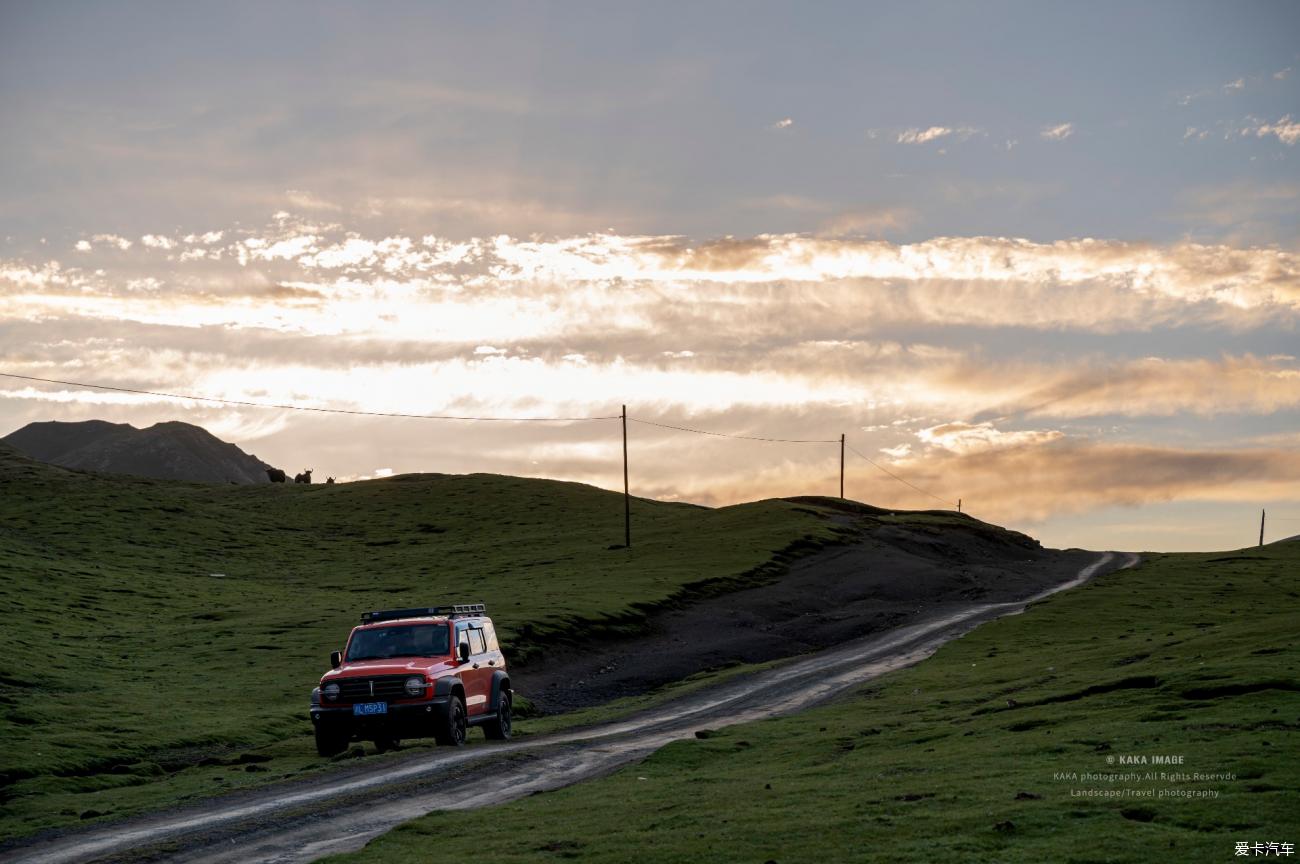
(793, 441)
(899, 479)
(468, 418)
(288, 407)
(739, 437)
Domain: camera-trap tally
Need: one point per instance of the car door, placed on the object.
(476, 675)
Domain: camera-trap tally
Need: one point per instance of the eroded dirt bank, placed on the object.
(893, 573)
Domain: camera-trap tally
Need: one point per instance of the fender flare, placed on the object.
(500, 681)
(447, 685)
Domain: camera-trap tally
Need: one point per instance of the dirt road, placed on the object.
(304, 820)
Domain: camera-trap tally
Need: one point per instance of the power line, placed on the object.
(305, 407)
(287, 407)
(740, 437)
(899, 479)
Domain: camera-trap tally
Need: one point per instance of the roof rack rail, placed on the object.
(424, 612)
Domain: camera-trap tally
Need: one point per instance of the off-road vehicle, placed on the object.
(414, 673)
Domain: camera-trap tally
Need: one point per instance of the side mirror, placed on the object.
(464, 652)
(336, 659)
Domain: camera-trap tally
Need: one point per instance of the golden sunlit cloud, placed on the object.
(787, 336)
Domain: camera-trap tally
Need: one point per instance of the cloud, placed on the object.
(923, 136)
(1281, 74)
(113, 240)
(83, 246)
(1152, 387)
(784, 123)
(1029, 483)
(1229, 88)
(781, 335)
(868, 222)
(917, 135)
(1073, 476)
(782, 390)
(1056, 133)
(1286, 130)
(1189, 272)
(207, 238)
(156, 241)
(307, 201)
(501, 290)
(962, 438)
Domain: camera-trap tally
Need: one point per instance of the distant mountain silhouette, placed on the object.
(167, 451)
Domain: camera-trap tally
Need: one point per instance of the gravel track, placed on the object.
(303, 820)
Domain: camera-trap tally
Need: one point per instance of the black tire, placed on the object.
(330, 742)
(450, 728)
(498, 728)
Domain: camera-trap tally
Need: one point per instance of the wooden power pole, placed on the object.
(841, 466)
(1261, 527)
(627, 499)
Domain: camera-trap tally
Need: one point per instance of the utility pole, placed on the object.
(1261, 527)
(841, 466)
(958, 505)
(627, 499)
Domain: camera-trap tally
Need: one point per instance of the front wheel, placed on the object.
(498, 728)
(330, 741)
(451, 726)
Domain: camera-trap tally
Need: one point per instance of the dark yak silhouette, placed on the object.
(329, 481)
(304, 477)
(275, 475)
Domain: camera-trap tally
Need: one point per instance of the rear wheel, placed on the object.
(450, 728)
(330, 741)
(498, 728)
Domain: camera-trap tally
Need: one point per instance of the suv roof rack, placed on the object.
(424, 612)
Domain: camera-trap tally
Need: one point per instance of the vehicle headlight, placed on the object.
(330, 691)
(414, 686)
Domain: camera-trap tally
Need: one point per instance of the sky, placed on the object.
(1040, 257)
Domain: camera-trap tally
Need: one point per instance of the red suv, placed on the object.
(414, 673)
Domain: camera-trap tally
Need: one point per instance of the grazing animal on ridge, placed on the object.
(329, 481)
(275, 475)
(304, 477)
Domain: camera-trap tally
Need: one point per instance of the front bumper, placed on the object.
(398, 713)
(403, 719)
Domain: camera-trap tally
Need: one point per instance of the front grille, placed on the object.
(384, 687)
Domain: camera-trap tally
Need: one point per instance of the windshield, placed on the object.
(415, 640)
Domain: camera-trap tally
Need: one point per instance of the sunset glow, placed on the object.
(1075, 315)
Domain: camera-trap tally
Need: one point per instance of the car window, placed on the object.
(491, 635)
(476, 644)
(421, 640)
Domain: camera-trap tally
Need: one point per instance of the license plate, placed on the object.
(366, 709)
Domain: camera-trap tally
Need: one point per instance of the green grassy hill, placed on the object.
(981, 752)
(154, 626)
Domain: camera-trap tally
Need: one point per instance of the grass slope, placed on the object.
(976, 754)
(153, 629)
